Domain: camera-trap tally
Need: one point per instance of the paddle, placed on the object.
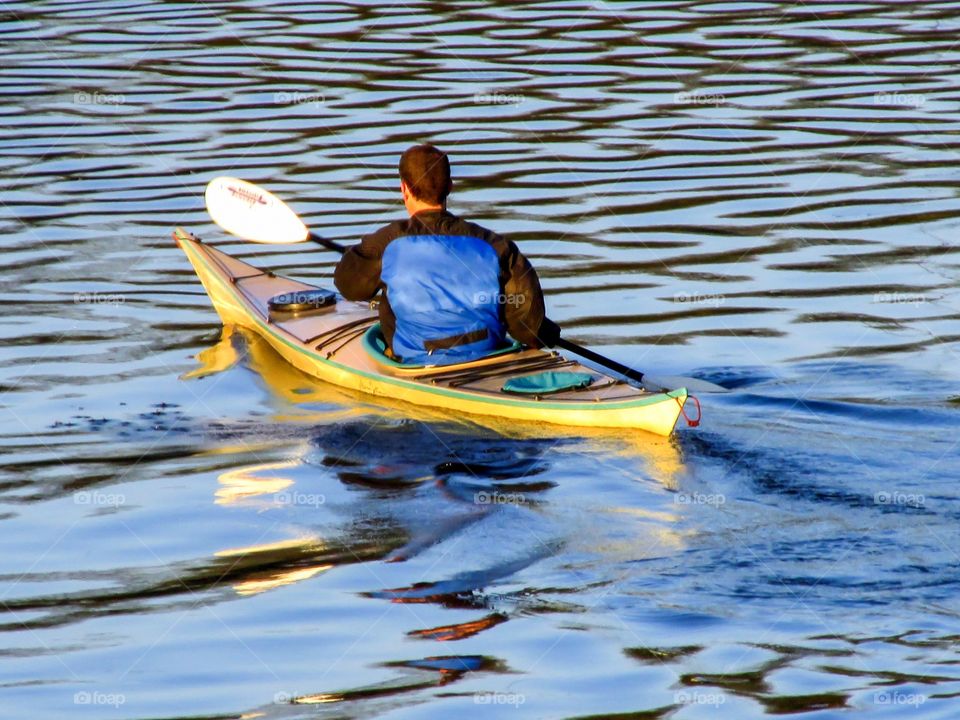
(250, 212)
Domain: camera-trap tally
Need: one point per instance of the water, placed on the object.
(761, 194)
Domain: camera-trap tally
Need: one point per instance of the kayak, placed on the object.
(338, 341)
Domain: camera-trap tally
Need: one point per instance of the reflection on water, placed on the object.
(249, 482)
(763, 194)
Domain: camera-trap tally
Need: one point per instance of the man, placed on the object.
(452, 290)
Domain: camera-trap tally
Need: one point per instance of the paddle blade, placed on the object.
(252, 213)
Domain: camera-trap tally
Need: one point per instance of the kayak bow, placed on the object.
(332, 342)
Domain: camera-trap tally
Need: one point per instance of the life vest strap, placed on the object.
(456, 340)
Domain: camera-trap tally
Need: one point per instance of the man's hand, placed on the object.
(549, 332)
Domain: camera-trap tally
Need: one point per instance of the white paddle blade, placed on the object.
(252, 213)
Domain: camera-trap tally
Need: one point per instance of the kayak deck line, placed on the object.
(346, 334)
(240, 293)
(336, 332)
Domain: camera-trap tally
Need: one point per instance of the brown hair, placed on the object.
(426, 171)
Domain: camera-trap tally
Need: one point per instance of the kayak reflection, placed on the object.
(439, 474)
(407, 484)
(298, 397)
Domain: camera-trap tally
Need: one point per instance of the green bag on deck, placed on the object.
(547, 382)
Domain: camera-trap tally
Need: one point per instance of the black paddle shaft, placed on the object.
(313, 237)
(601, 360)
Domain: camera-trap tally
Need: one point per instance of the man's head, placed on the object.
(424, 177)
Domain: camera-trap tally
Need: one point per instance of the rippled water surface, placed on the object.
(762, 194)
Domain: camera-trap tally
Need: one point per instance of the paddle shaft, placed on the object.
(313, 237)
(599, 359)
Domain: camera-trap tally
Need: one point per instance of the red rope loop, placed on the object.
(690, 422)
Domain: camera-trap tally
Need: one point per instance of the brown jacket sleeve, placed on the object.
(357, 275)
(523, 308)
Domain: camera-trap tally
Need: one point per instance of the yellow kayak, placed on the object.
(338, 341)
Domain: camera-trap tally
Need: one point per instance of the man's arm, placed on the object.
(357, 276)
(523, 309)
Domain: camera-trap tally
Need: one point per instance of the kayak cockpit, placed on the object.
(375, 346)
